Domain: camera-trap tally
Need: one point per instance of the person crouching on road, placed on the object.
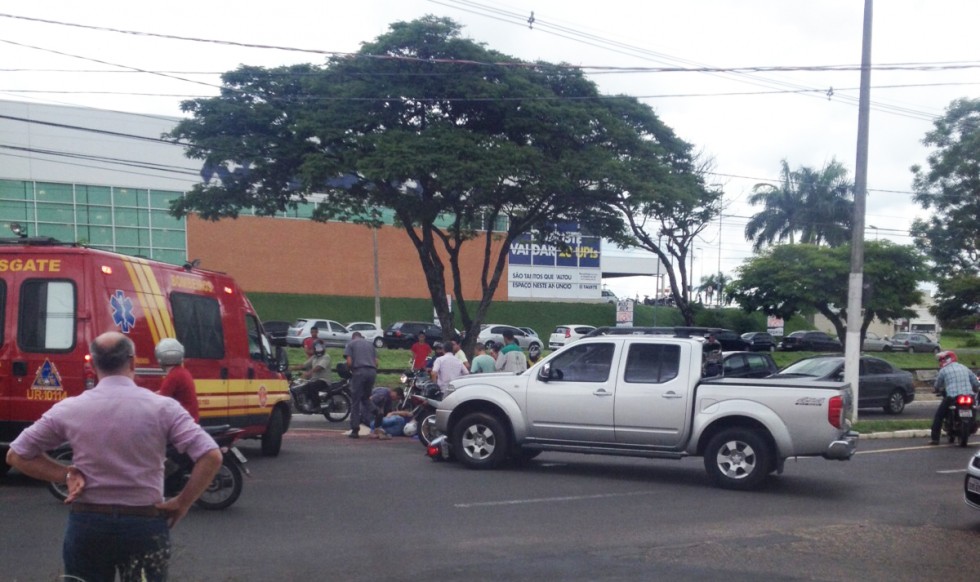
(118, 433)
(362, 359)
(178, 383)
(954, 379)
(389, 421)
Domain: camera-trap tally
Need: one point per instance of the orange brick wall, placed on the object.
(301, 256)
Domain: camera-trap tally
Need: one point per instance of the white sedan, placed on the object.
(370, 332)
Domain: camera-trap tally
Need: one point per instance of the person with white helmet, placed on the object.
(954, 379)
(178, 383)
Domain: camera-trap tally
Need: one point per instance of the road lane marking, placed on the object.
(951, 471)
(912, 448)
(549, 499)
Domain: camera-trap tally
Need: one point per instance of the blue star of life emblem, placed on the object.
(122, 312)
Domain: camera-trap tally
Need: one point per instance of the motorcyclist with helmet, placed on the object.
(178, 383)
(954, 379)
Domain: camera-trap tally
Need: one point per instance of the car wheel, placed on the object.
(911, 350)
(886, 349)
(63, 456)
(936, 350)
(738, 459)
(379, 342)
(480, 441)
(896, 402)
(272, 438)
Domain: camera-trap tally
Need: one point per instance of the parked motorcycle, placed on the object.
(335, 398)
(424, 412)
(224, 489)
(961, 418)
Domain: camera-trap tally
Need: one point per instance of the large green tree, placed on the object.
(950, 188)
(816, 205)
(462, 143)
(785, 280)
(667, 218)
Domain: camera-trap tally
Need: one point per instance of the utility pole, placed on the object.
(852, 348)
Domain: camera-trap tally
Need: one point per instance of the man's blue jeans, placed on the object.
(393, 425)
(96, 545)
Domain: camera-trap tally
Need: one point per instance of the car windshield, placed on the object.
(816, 368)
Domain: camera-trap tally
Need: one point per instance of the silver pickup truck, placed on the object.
(643, 396)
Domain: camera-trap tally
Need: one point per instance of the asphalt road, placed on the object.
(330, 508)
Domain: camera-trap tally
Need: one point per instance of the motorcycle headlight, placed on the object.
(404, 378)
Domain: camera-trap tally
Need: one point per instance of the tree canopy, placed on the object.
(788, 279)
(816, 204)
(442, 131)
(950, 187)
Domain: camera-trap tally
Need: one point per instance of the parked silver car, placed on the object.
(874, 343)
(493, 333)
(330, 332)
(913, 342)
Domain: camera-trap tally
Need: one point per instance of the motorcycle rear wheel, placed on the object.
(337, 407)
(965, 430)
(224, 489)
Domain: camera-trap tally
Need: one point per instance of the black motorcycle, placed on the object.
(335, 397)
(424, 412)
(224, 489)
(961, 418)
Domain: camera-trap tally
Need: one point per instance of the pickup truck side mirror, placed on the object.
(546, 374)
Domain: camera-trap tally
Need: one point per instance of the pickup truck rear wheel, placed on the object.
(480, 441)
(738, 458)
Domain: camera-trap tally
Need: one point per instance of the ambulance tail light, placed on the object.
(88, 373)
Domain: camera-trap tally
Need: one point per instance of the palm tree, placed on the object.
(817, 205)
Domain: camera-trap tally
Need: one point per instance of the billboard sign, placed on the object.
(545, 271)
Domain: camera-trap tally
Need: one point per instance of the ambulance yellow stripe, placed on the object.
(160, 319)
(150, 318)
(157, 294)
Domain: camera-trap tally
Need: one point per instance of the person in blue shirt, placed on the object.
(954, 379)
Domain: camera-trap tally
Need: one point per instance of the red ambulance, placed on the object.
(56, 297)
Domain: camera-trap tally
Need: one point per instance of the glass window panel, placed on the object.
(16, 190)
(95, 235)
(47, 316)
(131, 251)
(62, 193)
(15, 211)
(60, 213)
(98, 215)
(304, 211)
(124, 197)
(163, 219)
(95, 195)
(143, 198)
(126, 217)
(160, 199)
(173, 239)
(62, 232)
(127, 237)
(170, 256)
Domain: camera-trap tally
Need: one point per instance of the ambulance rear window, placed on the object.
(197, 321)
(47, 316)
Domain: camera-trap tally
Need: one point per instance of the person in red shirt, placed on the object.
(420, 352)
(313, 339)
(178, 383)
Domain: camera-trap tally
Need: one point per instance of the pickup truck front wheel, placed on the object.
(738, 459)
(480, 441)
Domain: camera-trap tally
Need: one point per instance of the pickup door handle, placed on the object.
(670, 394)
(601, 392)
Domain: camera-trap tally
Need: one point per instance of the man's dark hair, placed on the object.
(508, 334)
(400, 392)
(314, 328)
(113, 358)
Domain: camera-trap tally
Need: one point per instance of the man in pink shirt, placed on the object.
(118, 433)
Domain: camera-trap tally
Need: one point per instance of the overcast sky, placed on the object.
(747, 122)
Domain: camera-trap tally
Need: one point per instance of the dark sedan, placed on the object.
(810, 341)
(748, 365)
(759, 341)
(880, 384)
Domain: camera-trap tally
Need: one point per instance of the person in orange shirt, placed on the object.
(420, 352)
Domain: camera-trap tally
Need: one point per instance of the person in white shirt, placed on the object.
(446, 367)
